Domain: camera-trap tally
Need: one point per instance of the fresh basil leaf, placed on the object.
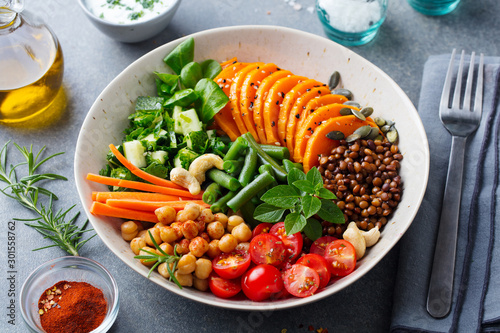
(268, 213)
(181, 55)
(191, 74)
(325, 194)
(330, 212)
(210, 68)
(304, 185)
(314, 176)
(310, 205)
(282, 196)
(313, 229)
(294, 222)
(212, 99)
(294, 175)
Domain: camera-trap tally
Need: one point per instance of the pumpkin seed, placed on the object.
(392, 135)
(367, 111)
(379, 121)
(373, 133)
(352, 103)
(358, 115)
(344, 92)
(389, 122)
(345, 111)
(385, 128)
(335, 135)
(334, 80)
(363, 131)
(379, 137)
(353, 137)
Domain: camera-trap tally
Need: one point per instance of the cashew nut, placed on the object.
(182, 177)
(203, 163)
(353, 236)
(371, 236)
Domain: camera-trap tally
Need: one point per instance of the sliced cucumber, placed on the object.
(134, 152)
(160, 155)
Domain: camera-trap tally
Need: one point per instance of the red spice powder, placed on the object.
(76, 307)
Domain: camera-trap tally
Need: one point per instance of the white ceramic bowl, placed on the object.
(312, 56)
(132, 32)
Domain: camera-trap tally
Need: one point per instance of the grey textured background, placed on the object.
(92, 60)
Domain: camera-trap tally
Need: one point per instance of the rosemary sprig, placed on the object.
(26, 191)
(161, 258)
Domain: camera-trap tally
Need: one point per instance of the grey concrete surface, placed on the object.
(92, 60)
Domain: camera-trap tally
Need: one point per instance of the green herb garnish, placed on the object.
(161, 258)
(303, 197)
(52, 225)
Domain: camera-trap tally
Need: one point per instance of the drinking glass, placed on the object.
(434, 7)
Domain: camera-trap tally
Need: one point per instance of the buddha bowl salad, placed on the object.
(245, 179)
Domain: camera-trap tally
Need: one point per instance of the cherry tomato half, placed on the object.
(293, 243)
(262, 228)
(301, 281)
(341, 257)
(319, 264)
(261, 281)
(320, 244)
(231, 265)
(267, 249)
(223, 288)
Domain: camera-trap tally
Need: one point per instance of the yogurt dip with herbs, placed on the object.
(127, 11)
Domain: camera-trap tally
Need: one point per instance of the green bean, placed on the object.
(278, 175)
(236, 149)
(249, 191)
(299, 166)
(278, 169)
(223, 179)
(288, 165)
(268, 168)
(247, 211)
(221, 204)
(212, 193)
(249, 166)
(232, 166)
(276, 152)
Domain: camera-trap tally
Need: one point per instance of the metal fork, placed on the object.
(460, 122)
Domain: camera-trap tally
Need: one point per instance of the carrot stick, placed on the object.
(98, 208)
(145, 196)
(150, 206)
(94, 196)
(140, 173)
(141, 186)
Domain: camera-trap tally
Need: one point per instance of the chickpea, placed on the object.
(201, 225)
(142, 234)
(203, 268)
(177, 226)
(206, 215)
(191, 211)
(162, 269)
(222, 218)
(242, 232)
(189, 229)
(200, 284)
(215, 230)
(159, 225)
(205, 236)
(228, 243)
(186, 264)
(144, 253)
(185, 280)
(243, 246)
(166, 214)
(181, 217)
(136, 244)
(129, 237)
(213, 249)
(233, 221)
(198, 246)
(155, 232)
(129, 227)
(167, 248)
(183, 246)
(168, 235)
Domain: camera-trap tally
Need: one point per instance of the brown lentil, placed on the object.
(364, 176)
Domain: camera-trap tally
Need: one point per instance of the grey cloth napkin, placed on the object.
(476, 292)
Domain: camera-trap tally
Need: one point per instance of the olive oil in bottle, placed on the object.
(31, 65)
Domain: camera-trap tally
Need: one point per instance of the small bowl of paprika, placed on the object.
(69, 294)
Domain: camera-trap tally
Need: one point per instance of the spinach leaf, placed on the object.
(211, 99)
(181, 55)
(191, 74)
(182, 98)
(210, 68)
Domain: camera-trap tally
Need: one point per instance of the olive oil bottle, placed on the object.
(31, 64)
